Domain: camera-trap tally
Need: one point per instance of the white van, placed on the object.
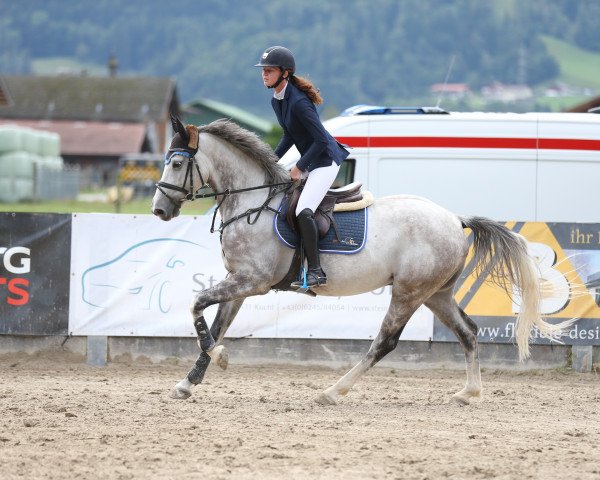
(507, 166)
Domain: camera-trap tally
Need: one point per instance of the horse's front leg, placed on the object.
(229, 294)
(225, 315)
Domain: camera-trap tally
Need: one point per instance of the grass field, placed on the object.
(136, 206)
(578, 67)
(557, 104)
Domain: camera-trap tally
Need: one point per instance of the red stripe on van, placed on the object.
(568, 144)
(469, 142)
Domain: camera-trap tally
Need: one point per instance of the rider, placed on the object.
(294, 103)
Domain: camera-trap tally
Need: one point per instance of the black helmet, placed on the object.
(277, 57)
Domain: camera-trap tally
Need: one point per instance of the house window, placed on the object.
(345, 174)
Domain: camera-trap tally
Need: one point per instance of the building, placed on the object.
(450, 90)
(501, 92)
(201, 112)
(99, 119)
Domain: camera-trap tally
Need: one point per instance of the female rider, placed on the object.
(294, 103)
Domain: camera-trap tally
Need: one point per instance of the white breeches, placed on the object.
(317, 184)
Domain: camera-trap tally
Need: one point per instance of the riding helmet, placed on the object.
(277, 57)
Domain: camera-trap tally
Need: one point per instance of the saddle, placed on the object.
(346, 196)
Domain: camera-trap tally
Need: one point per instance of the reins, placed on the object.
(258, 210)
(193, 194)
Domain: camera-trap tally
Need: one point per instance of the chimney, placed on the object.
(113, 65)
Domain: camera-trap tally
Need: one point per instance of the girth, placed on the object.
(324, 214)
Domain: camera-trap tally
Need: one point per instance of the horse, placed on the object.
(414, 245)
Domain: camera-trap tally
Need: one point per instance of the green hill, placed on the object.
(355, 51)
(578, 67)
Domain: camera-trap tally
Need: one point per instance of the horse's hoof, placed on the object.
(182, 390)
(220, 356)
(464, 396)
(180, 393)
(460, 399)
(325, 399)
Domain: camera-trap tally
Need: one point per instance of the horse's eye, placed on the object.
(177, 164)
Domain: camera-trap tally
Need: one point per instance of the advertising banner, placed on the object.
(568, 257)
(34, 273)
(136, 275)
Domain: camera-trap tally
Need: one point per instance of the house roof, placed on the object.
(90, 138)
(98, 99)
(449, 87)
(208, 110)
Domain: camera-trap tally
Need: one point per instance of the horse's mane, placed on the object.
(250, 144)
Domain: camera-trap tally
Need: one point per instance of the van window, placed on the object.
(345, 174)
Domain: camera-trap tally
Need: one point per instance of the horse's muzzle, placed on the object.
(163, 207)
(164, 215)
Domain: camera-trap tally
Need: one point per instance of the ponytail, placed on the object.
(307, 87)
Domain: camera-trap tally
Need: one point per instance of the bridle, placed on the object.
(189, 173)
(191, 194)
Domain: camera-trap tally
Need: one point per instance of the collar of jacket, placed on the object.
(281, 96)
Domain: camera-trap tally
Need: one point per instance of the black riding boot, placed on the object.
(315, 276)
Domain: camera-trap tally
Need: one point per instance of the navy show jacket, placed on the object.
(302, 127)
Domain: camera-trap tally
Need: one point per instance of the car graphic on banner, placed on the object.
(138, 275)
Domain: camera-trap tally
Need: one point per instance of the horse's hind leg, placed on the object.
(394, 322)
(443, 305)
(225, 315)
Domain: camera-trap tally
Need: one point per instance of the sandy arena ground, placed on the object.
(68, 420)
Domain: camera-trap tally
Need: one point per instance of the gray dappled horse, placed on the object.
(414, 245)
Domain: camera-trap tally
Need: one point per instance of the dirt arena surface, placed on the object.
(65, 420)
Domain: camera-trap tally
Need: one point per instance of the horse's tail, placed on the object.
(502, 254)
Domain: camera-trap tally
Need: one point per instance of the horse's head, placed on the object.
(181, 176)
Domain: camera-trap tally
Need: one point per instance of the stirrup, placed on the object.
(313, 279)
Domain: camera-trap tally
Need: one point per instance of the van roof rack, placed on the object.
(375, 110)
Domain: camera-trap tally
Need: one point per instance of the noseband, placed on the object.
(190, 194)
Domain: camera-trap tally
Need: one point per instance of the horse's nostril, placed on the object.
(158, 212)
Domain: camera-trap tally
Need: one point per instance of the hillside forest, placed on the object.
(360, 51)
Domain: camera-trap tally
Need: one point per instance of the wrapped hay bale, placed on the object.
(22, 164)
(16, 172)
(55, 163)
(32, 141)
(11, 138)
(23, 189)
(6, 166)
(49, 144)
(6, 189)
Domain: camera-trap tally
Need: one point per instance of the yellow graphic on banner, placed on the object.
(466, 286)
(564, 294)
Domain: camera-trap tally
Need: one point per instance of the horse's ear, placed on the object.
(179, 128)
(193, 137)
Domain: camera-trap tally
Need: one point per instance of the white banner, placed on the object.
(137, 275)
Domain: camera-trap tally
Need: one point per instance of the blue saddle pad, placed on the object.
(351, 225)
